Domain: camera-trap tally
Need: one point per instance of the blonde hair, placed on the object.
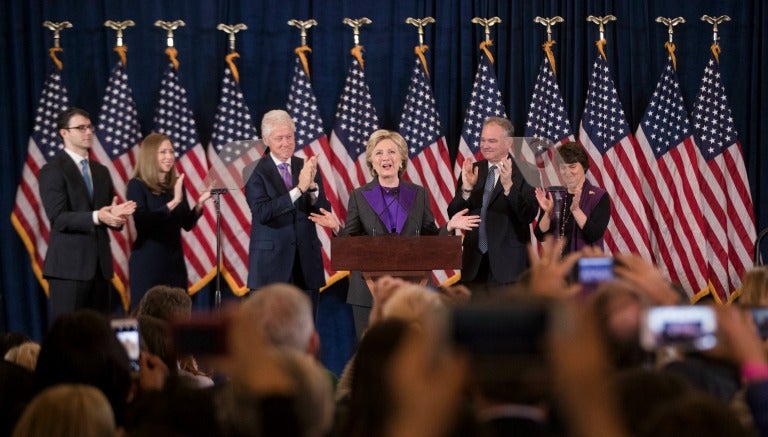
(379, 136)
(754, 287)
(66, 410)
(146, 166)
(25, 355)
(413, 303)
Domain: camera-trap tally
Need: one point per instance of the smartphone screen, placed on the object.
(590, 272)
(688, 327)
(127, 333)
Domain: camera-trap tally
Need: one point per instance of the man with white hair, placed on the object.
(282, 191)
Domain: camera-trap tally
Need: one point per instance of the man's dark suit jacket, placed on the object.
(363, 220)
(507, 225)
(281, 229)
(75, 244)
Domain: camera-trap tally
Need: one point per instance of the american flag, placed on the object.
(429, 162)
(356, 120)
(230, 151)
(614, 166)
(670, 163)
(485, 102)
(547, 119)
(28, 216)
(117, 147)
(312, 141)
(727, 200)
(174, 118)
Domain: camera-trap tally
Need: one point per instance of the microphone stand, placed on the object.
(216, 193)
(758, 260)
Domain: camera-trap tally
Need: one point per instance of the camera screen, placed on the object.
(594, 270)
(127, 333)
(686, 326)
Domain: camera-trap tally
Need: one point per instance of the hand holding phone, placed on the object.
(127, 332)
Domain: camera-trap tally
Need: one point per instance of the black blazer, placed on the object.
(281, 229)
(507, 225)
(363, 220)
(75, 244)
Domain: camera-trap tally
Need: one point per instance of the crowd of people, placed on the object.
(518, 347)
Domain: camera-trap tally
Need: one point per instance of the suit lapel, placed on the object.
(408, 202)
(296, 165)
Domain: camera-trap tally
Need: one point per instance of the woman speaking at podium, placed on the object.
(387, 205)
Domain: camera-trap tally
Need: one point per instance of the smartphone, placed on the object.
(127, 333)
(760, 316)
(591, 271)
(688, 327)
(516, 329)
(204, 334)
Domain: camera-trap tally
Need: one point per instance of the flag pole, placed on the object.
(56, 28)
(714, 21)
(601, 22)
(356, 24)
(231, 30)
(547, 46)
(420, 24)
(670, 45)
(301, 51)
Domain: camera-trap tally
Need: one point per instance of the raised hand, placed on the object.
(468, 175)
(549, 271)
(122, 210)
(326, 219)
(646, 278)
(177, 188)
(307, 174)
(462, 221)
(505, 173)
(575, 204)
(546, 203)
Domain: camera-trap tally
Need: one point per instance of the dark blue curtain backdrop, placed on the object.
(635, 53)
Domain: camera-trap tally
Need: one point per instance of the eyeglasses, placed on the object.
(83, 128)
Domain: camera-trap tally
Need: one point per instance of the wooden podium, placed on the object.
(409, 257)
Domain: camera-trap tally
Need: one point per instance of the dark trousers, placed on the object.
(68, 295)
(361, 316)
(297, 279)
(484, 284)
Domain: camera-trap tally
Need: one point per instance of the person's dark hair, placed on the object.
(165, 303)
(641, 391)
(571, 153)
(62, 120)
(10, 340)
(156, 339)
(696, 415)
(371, 403)
(80, 347)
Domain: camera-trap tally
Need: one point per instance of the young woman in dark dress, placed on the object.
(162, 211)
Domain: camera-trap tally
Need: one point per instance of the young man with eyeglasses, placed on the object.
(80, 202)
